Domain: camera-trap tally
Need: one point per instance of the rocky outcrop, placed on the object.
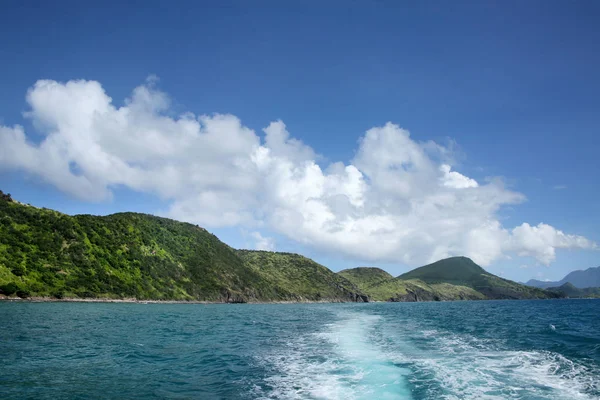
(415, 294)
(353, 295)
(5, 196)
(360, 298)
(233, 298)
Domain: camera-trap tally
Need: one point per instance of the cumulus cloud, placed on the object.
(541, 242)
(261, 242)
(398, 200)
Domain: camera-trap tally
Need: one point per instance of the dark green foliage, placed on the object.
(300, 277)
(5, 196)
(463, 271)
(129, 255)
(122, 255)
(18, 269)
(9, 289)
(364, 277)
(456, 278)
(457, 270)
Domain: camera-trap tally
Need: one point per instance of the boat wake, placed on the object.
(361, 356)
(452, 367)
(341, 362)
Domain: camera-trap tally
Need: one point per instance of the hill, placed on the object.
(458, 278)
(542, 284)
(301, 276)
(363, 277)
(580, 279)
(450, 270)
(381, 286)
(573, 292)
(130, 255)
(397, 289)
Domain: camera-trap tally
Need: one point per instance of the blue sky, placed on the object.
(508, 88)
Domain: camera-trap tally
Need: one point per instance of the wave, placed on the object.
(466, 367)
(362, 356)
(340, 362)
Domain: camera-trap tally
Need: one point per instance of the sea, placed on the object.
(544, 349)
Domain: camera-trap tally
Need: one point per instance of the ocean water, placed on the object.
(451, 350)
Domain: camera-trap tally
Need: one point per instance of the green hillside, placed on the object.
(301, 276)
(456, 278)
(573, 292)
(458, 270)
(364, 277)
(464, 272)
(46, 253)
(129, 255)
(397, 289)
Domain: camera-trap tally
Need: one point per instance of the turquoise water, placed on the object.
(454, 350)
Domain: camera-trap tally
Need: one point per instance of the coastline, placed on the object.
(36, 299)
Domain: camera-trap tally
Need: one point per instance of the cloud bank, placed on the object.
(398, 200)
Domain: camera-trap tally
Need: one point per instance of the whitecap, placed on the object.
(341, 362)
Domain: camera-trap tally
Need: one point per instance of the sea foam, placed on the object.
(340, 362)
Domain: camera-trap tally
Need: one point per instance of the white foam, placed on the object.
(340, 362)
(358, 357)
(470, 368)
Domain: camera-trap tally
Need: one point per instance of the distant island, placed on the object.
(45, 254)
(576, 284)
(582, 279)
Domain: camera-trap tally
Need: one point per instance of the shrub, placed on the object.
(19, 270)
(9, 288)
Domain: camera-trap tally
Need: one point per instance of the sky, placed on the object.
(364, 133)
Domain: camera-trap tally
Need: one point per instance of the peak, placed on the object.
(457, 262)
(567, 285)
(461, 269)
(463, 258)
(365, 270)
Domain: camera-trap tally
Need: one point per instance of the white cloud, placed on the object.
(541, 242)
(453, 179)
(398, 200)
(559, 187)
(262, 243)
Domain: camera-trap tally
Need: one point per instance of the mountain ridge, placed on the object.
(570, 290)
(46, 253)
(453, 278)
(581, 279)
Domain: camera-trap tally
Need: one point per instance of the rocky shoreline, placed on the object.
(137, 301)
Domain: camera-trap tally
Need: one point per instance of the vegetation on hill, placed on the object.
(130, 255)
(574, 292)
(457, 270)
(46, 253)
(456, 278)
(464, 272)
(397, 289)
(364, 277)
(303, 277)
